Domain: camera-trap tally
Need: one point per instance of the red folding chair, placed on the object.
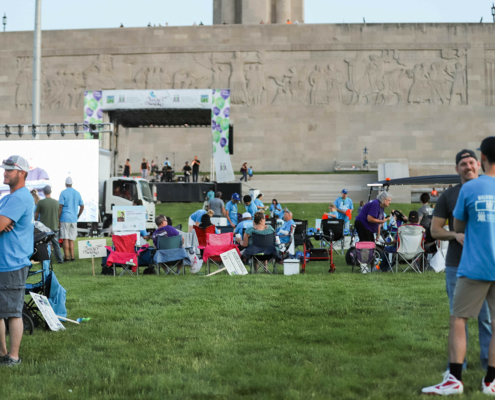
(201, 235)
(216, 245)
(124, 254)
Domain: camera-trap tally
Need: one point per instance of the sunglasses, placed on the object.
(10, 163)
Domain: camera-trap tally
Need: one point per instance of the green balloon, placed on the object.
(220, 103)
(217, 136)
(219, 120)
(214, 149)
(226, 148)
(93, 104)
(85, 101)
(92, 121)
(224, 124)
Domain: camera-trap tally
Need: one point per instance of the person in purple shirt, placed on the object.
(371, 217)
(164, 229)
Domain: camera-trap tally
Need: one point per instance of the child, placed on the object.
(250, 172)
(332, 213)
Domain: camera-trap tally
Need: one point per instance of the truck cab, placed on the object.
(120, 191)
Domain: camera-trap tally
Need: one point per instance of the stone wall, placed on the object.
(303, 95)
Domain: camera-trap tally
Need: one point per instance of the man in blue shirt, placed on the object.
(284, 231)
(247, 222)
(70, 200)
(249, 205)
(16, 248)
(344, 203)
(195, 219)
(474, 216)
(231, 210)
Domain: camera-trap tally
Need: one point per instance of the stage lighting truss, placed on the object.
(56, 129)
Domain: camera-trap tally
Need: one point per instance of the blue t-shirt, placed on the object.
(143, 233)
(71, 200)
(334, 214)
(17, 246)
(250, 171)
(196, 217)
(258, 203)
(210, 195)
(243, 225)
(277, 208)
(476, 207)
(285, 227)
(251, 209)
(343, 205)
(231, 208)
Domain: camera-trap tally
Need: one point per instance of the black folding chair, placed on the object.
(333, 232)
(263, 242)
(300, 232)
(169, 243)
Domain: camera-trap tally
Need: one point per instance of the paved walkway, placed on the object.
(310, 188)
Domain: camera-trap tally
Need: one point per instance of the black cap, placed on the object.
(413, 216)
(464, 153)
(488, 146)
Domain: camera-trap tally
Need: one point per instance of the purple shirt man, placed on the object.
(374, 209)
(163, 229)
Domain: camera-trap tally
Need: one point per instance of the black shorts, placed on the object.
(12, 289)
(365, 235)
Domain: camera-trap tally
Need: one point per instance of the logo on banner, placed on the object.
(223, 167)
(122, 99)
(152, 95)
(110, 99)
(176, 98)
(205, 98)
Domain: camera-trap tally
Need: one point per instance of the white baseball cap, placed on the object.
(68, 181)
(246, 215)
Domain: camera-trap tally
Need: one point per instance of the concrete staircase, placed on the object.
(310, 188)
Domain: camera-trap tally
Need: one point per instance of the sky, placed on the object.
(77, 14)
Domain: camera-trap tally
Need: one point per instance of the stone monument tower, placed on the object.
(254, 11)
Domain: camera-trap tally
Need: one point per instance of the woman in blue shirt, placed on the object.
(259, 203)
(275, 207)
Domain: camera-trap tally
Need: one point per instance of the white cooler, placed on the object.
(291, 267)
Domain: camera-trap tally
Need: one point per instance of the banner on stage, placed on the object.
(220, 122)
(233, 263)
(47, 311)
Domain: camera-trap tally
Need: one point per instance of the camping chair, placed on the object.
(41, 287)
(363, 256)
(410, 248)
(288, 249)
(263, 242)
(124, 254)
(217, 244)
(224, 229)
(201, 235)
(333, 233)
(170, 254)
(300, 232)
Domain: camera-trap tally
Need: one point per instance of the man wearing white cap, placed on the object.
(247, 222)
(16, 248)
(68, 214)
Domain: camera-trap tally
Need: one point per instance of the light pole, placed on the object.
(37, 64)
(493, 11)
(4, 21)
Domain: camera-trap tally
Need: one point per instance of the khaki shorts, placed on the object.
(469, 296)
(68, 230)
(12, 289)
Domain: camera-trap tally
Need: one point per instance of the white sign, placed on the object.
(52, 161)
(129, 218)
(233, 263)
(47, 311)
(146, 99)
(92, 248)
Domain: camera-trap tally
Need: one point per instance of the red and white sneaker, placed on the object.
(488, 388)
(450, 385)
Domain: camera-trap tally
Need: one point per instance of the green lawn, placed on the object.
(321, 336)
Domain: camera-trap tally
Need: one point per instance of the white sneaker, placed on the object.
(449, 385)
(488, 388)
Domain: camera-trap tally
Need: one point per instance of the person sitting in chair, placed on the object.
(284, 231)
(164, 229)
(206, 221)
(259, 226)
(332, 214)
(247, 222)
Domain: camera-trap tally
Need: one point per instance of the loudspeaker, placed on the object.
(231, 139)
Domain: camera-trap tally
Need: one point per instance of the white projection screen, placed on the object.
(52, 161)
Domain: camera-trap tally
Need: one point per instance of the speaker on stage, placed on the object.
(231, 139)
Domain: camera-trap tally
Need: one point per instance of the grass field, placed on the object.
(312, 336)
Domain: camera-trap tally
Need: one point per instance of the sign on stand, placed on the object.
(47, 311)
(92, 249)
(233, 263)
(128, 218)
